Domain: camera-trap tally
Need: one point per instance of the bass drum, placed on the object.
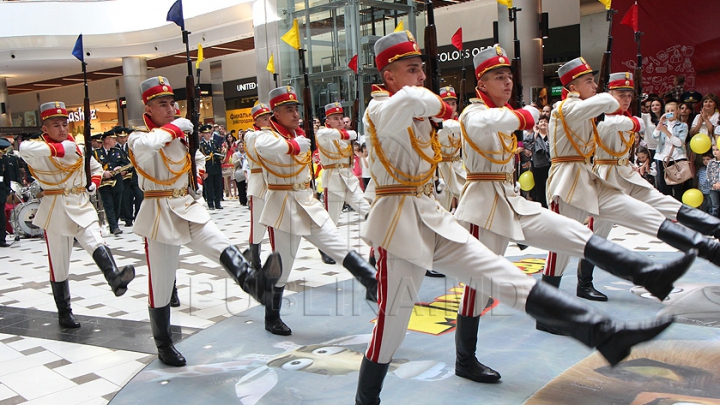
(22, 217)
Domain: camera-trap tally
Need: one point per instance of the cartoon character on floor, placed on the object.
(334, 358)
(693, 304)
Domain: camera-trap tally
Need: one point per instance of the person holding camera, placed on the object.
(670, 134)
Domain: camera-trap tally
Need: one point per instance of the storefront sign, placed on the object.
(239, 119)
(449, 56)
(79, 115)
(240, 88)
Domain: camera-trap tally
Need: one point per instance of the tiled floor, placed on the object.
(41, 363)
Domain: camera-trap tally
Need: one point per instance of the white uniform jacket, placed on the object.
(256, 186)
(58, 169)
(290, 203)
(161, 158)
(451, 167)
(572, 143)
(335, 156)
(488, 134)
(615, 139)
(403, 152)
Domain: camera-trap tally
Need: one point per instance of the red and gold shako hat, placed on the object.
(396, 46)
(53, 109)
(282, 95)
(333, 108)
(574, 69)
(621, 81)
(260, 109)
(155, 87)
(448, 93)
(490, 58)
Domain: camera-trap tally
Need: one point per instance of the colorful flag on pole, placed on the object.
(400, 27)
(292, 37)
(271, 64)
(175, 14)
(457, 39)
(606, 3)
(78, 49)
(200, 57)
(507, 3)
(631, 18)
(353, 64)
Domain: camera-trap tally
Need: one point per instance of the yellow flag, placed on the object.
(271, 64)
(607, 3)
(200, 57)
(292, 37)
(507, 3)
(400, 27)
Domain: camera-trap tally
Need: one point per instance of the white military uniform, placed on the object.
(65, 212)
(408, 228)
(340, 183)
(494, 211)
(291, 209)
(169, 217)
(450, 168)
(615, 138)
(256, 187)
(573, 189)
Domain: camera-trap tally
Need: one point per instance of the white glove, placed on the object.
(69, 147)
(642, 125)
(196, 194)
(533, 111)
(92, 189)
(517, 187)
(440, 187)
(303, 143)
(184, 124)
(352, 135)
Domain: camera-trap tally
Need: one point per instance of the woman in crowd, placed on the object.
(239, 164)
(670, 134)
(227, 167)
(706, 121)
(657, 108)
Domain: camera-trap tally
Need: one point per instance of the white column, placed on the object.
(134, 73)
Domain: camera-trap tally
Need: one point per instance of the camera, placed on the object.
(669, 115)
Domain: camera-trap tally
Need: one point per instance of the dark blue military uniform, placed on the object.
(213, 167)
(9, 171)
(110, 193)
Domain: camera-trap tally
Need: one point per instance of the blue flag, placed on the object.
(78, 49)
(175, 14)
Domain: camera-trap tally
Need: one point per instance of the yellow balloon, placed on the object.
(700, 143)
(693, 197)
(527, 181)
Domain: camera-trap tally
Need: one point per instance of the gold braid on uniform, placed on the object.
(186, 162)
(396, 173)
(509, 148)
(69, 169)
(343, 152)
(627, 142)
(454, 144)
(571, 135)
(303, 162)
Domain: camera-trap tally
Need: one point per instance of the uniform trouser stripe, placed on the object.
(373, 351)
(552, 256)
(47, 245)
(151, 297)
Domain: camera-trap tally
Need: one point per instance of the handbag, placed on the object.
(677, 173)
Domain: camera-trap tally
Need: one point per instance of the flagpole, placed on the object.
(86, 130)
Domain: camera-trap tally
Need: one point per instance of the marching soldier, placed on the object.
(9, 171)
(65, 212)
(411, 232)
(256, 187)
(112, 160)
(170, 216)
(496, 213)
(291, 208)
(614, 141)
(336, 157)
(214, 156)
(575, 191)
(450, 168)
(132, 195)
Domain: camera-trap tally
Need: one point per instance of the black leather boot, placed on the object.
(273, 323)
(555, 282)
(370, 382)
(174, 299)
(258, 283)
(685, 239)
(577, 319)
(585, 287)
(61, 293)
(466, 364)
(363, 272)
(700, 221)
(255, 255)
(325, 258)
(160, 324)
(117, 279)
(657, 278)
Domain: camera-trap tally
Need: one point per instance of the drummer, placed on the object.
(9, 172)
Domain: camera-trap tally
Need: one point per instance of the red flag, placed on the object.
(457, 39)
(631, 18)
(353, 64)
